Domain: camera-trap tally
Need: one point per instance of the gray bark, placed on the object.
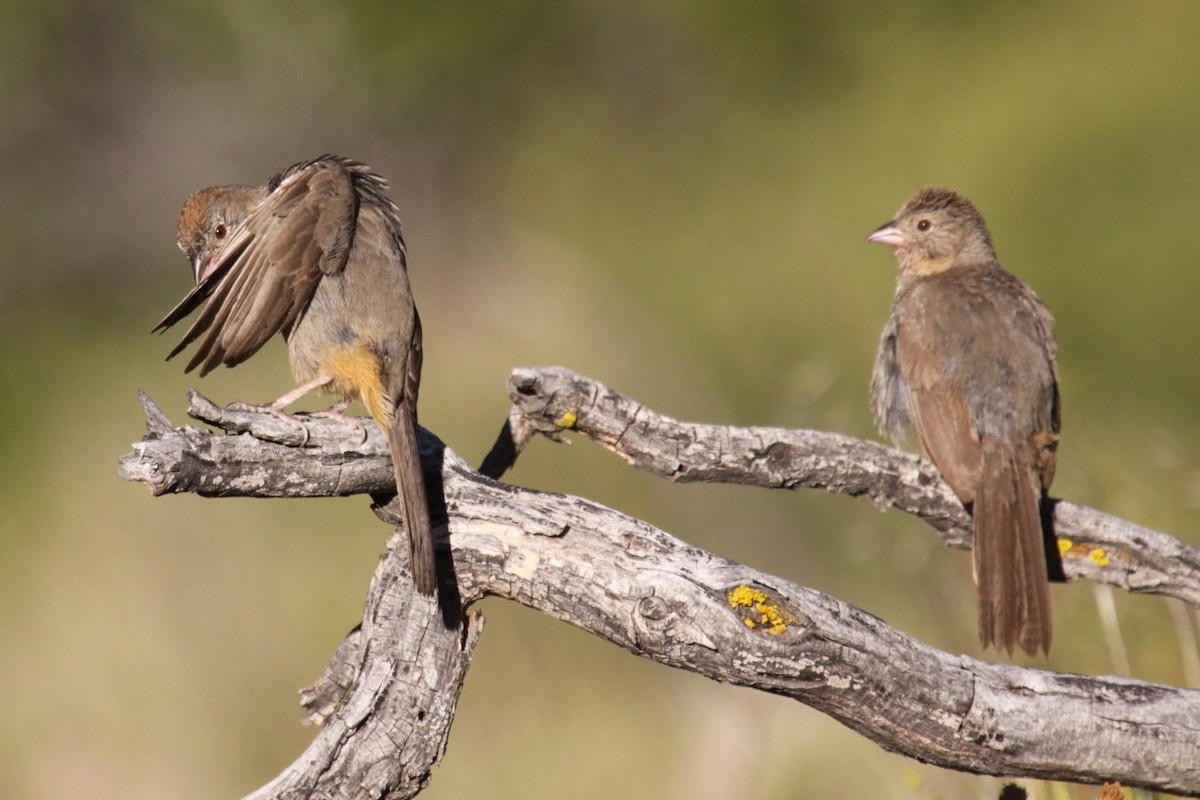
(388, 699)
(1095, 545)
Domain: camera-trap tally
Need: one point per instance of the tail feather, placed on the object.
(410, 490)
(1010, 560)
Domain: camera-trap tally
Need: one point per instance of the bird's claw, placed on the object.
(337, 411)
(274, 411)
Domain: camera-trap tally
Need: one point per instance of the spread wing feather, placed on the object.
(264, 280)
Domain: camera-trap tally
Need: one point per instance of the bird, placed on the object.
(968, 361)
(317, 254)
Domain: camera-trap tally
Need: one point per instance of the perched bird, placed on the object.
(967, 360)
(316, 254)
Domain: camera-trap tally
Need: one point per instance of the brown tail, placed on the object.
(1010, 561)
(410, 490)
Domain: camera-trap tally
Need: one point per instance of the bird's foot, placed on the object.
(337, 411)
(274, 410)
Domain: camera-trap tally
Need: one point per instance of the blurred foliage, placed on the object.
(671, 197)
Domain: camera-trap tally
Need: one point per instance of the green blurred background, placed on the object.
(671, 197)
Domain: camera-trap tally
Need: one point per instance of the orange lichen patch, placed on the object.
(1097, 555)
(757, 612)
(355, 374)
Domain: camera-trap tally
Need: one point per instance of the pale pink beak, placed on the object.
(203, 266)
(888, 234)
(198, 267)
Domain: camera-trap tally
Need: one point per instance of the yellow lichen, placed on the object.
(1097, 555)
(743, 595)
(567, 420)
(757, 612)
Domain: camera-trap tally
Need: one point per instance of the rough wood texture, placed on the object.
(388, 715)
(386, 724)
(1095, 545)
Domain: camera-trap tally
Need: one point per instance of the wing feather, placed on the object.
(301, 231)
(937, 402)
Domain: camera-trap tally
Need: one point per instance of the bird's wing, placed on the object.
(266, 276)
(938, 408)
(1036, 325)
(943, 425)
(1043, 326)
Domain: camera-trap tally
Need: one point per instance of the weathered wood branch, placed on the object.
(387, 700)
(1095, 545)
(659, 598)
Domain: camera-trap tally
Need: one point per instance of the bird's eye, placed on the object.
(220, 230)
(923, 225)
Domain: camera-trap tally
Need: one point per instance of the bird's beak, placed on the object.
(201, 266)
(888, 234)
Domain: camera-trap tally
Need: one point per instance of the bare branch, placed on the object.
(662, 599)
(1095, 545)
(388, 723)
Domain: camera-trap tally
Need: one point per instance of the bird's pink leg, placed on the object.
(276, 407)
(295, 394)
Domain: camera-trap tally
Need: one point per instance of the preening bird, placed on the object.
(317, 255)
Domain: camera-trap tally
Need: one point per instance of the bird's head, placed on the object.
(208, 221)
(935, 230)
